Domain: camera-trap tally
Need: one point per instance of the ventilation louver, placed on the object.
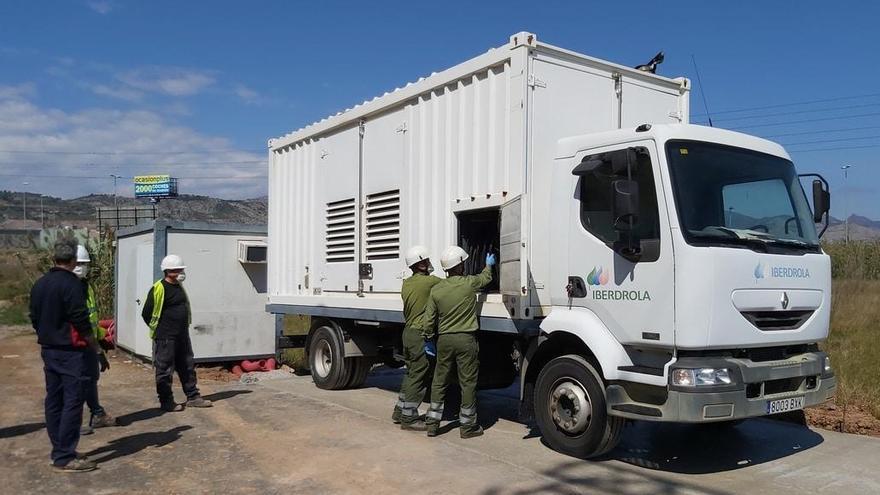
(341, 231)
(383, 226)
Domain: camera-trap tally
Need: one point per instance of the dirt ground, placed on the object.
(283, 435)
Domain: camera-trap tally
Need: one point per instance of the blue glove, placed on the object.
(490, 259)
(430, 348)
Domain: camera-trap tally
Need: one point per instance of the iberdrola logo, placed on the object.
(597, 276)
(761, 271)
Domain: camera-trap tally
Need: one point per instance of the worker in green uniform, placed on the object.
(419, 368)
(99, 417)
(453, 304)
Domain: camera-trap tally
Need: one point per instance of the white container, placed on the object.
(227, 294)
(362, 186)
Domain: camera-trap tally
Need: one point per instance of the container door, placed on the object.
(383, 194)
(338, 165)
(144, 279)
(620, 262)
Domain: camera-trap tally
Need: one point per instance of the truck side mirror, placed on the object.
(821, 201)
(625, 204)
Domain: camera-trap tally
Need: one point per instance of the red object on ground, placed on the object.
(237, 371)
(261, 365)
(250, 366)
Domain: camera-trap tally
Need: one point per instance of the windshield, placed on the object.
(735, 196)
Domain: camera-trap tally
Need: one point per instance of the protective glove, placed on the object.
(490, 259)
(105, 364)
(430, 348)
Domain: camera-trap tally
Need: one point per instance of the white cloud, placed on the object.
(102, 7)
(118, 92)
(171, 81)
(17, 92)
(247, 94)
(25, 126)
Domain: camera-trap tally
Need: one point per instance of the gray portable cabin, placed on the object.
(226, 285)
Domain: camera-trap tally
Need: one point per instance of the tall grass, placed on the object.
(855, 323)
(22, 267)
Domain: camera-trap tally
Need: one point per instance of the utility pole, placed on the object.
(845, 168)
(24, 203)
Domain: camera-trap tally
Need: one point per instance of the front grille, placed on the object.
(777, 320)
(772, 387)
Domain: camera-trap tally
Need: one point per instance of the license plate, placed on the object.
(785, 405)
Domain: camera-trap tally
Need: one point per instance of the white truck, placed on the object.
(649, 269)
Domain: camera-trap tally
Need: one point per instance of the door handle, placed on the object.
(576, 287)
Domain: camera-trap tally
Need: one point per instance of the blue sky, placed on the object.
(220, 78)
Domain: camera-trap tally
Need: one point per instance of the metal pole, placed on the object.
(24, 203)
(42, 218)
(845, 169)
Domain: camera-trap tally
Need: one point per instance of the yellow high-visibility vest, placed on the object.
(92, 306)
(158, 301)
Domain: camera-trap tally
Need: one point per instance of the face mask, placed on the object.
(181, 277)
(430, 268)
(81, 271)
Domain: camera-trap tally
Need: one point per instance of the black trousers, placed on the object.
(66, 381)
(170, 355)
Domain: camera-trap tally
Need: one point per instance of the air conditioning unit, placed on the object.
(252, 251)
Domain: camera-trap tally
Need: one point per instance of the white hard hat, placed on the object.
(82, 254)
(416, 254)
(172, 262)
(452, 257)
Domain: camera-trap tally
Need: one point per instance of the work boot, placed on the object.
(471, 432)
(396, 415)
(416, 425)
(198, 402)
(433, 429)
(78, 465)
(102, 421)
(170, 406)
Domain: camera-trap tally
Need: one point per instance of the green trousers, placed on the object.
(419, 372)
(459, 351)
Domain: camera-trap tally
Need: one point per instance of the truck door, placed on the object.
(620, 260)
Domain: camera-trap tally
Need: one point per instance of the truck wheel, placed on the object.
(360, 368)
(329, 368)
(570, 409)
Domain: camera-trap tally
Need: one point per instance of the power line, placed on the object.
(187, 164)
(838, 149)
(805, 121)
(103, 177)
(830, 140)
(783, 105)
(121, 153)
(797, 112)
(823, 131)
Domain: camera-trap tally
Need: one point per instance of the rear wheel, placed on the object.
(360, 368)
(570, 409)
(329, 367)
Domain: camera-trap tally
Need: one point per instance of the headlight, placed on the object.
(827, 364)
(684, 377)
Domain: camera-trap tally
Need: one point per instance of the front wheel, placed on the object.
(570, 409)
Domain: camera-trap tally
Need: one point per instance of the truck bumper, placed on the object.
(758, 384)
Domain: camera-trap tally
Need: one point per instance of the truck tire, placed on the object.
(330, 371)
(360, 368)
(570, 409)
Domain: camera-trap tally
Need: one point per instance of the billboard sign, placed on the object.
(155, 186)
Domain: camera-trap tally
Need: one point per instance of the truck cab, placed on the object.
(688, 285)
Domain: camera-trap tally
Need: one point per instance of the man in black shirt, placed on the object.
(59, 315)
(167, 313)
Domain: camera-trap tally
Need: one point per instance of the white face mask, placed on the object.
(81, 271)
(430, 268)
(181, 277)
